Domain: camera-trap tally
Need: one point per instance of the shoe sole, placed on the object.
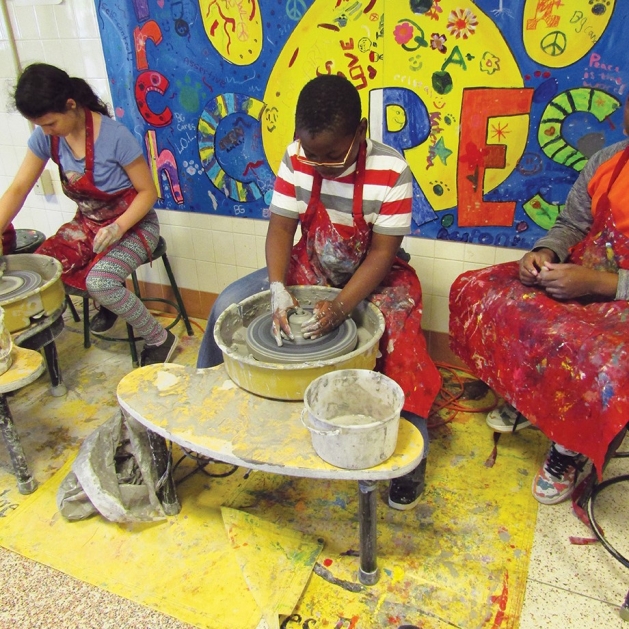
(403, 507)
(172, 349)
(98, 332)
(495, 421)
(507, 428)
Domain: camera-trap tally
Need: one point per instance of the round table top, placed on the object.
(205, 411)
(26, 367)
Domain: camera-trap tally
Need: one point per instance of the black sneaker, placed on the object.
(156, 354)
(102, 321)
(405, 492)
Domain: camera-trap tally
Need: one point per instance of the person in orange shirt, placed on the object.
(550, 334)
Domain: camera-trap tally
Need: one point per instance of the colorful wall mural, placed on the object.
(496, 104)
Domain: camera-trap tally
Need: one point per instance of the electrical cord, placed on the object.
(448, 402)
(201, 462)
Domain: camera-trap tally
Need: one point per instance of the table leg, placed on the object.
(26, 484)
(367, 520)
(167, 493)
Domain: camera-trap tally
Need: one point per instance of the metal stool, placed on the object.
(590, 488)
(28, 240)
(160, 252)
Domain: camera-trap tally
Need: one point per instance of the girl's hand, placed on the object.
(107, 236)
(326, 316)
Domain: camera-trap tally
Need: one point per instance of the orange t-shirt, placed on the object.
(618, 195)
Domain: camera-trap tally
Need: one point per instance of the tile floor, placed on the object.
(568, 586)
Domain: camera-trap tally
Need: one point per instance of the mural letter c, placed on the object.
(151, 81)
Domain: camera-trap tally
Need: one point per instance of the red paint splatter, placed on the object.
(369, 7)
(501, 600)
(253, 166)
(327, 562)
(582, 541)
(292, 59)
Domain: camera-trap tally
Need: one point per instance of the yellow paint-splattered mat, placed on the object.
(459, 559)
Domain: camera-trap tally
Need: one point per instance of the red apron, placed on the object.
(73, 243)
(325, 257)
(563, 364)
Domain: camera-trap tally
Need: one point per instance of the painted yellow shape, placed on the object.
(556, 34)
(276, 561)
(234, 29)
(354, 49)
(396, 118)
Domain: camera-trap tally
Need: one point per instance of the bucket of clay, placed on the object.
(353, 416)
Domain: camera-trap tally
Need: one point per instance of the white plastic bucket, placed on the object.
(353, 416)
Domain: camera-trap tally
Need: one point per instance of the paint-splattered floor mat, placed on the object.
(459, 559)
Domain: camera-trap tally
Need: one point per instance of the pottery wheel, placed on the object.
(263, 347)
(18, 283)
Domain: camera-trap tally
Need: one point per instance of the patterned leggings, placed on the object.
(106, 282)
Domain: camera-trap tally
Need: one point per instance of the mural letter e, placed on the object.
(475, 155)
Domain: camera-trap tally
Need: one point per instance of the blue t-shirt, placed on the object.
(114, 148)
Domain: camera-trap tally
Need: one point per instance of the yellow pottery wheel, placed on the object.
(289, 381)
(44, 299)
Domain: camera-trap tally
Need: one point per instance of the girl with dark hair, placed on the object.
(102, 169)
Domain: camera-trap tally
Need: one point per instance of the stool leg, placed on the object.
(173, 284)
(87, 342)
(132, 347)
(75, 314)
(58, 389)
(367, 520)
(26, 484)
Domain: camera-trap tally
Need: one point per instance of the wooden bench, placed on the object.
(204, 411)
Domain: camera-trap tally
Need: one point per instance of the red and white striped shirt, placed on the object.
(387, 193)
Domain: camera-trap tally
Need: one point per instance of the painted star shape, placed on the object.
(441, 151)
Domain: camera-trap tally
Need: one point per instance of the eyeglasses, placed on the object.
(309, 162)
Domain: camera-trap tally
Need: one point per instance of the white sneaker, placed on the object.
(505, 418)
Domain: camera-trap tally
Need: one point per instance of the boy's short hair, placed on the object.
(329, 102)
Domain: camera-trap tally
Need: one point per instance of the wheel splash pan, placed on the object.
(43, 300)
(289, 381)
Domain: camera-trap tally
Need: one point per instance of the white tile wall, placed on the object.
(207, 252)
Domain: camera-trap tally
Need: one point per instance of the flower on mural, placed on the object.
(462, 23)
(435, 9)
(489, 63)
(438, 42)
(403, 33)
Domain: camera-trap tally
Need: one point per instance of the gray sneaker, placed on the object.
(156, 354)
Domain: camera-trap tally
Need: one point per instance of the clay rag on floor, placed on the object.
(112, 475)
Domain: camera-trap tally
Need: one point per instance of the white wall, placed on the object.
(207, 252)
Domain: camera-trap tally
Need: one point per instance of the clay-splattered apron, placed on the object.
(325, 257)
(563, 364)
(73, 243)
